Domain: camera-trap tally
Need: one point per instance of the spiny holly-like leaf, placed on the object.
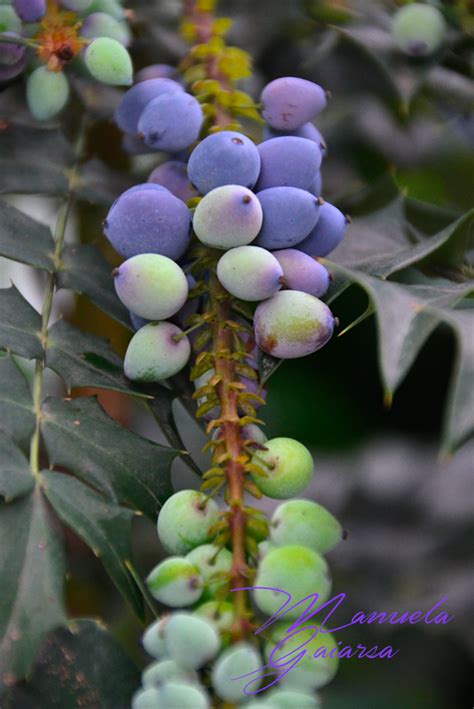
(85, 360)
(84, 270)
(20, 325)
(404, 318)
(384, 242)
(34, 160)
(103, 525)
(459, 418)
(24, 239)
(31, 559)
(81, 667)
(17, 418)
(125, 467)
(15, 474)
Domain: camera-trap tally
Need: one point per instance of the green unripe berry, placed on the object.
(214, 564)
(185, 520)
(418, 29)
(295, 569)
(311, 672)
(151, 286)
(109, 62)
(191, 640)
(307, 523)
(153, 639)
(175, 582)
(157, 351)
(146, 699)
(174, 695)
(220, 613)
(47, 93)
(100, 24)
(167, 671)
(262, 704)
(288, 465)
(292, 698)
(9, 20)
(237, 660)
(228, 216)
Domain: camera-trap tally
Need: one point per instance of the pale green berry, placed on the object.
(151, 286)
(237, 660)
(157, 351)
(9, 20)
(309, 673)
(148, 698)
(47, 93)
(296, 570)
(292, 699)
(153, 639)
(174, 695)
(220, 613)
(228, 216)
(191, 640)
(288, 467)
(109, 62)
(307, 523)
(418, 29)
(185, 521)
(260, 704)
(175, 582)
(214, 564)
(167, 671)
(100, 24)
(264, 547)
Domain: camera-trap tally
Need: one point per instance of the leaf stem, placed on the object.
(50, 287)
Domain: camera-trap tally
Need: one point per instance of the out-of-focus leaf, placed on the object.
(125, 467)
(379, 243)
(24, 239)
(459, 414)
(85, 360)
(81, 667)
(84, 270)
(31, 559)
(20, 325)
(103, 525)
(267, 365)
(17, 418)
(34, 160)
(99, 184)
(15, 474)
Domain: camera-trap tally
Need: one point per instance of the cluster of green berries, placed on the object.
(195, 660)
(89, 35)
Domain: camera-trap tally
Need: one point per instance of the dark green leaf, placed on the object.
(15, 474)
(34, 160)
(267, 365)
(103, 525)
(24, 239)
(85, 360)
(82, 667)
(20, 325)
(405, 319)
(17, 418)
(31, 559)
(125, 467)
(162, 409)
(84, 270)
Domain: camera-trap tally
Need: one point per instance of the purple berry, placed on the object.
(173, 175)
(171, 122)
(289, 102)
(135, 100)
(29, 10)
(303, 273)
(328, 232)
(289, 162)
(289, 215)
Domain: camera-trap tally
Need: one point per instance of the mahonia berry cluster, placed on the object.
(47, 36)
(254, 235)
(222, 252)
